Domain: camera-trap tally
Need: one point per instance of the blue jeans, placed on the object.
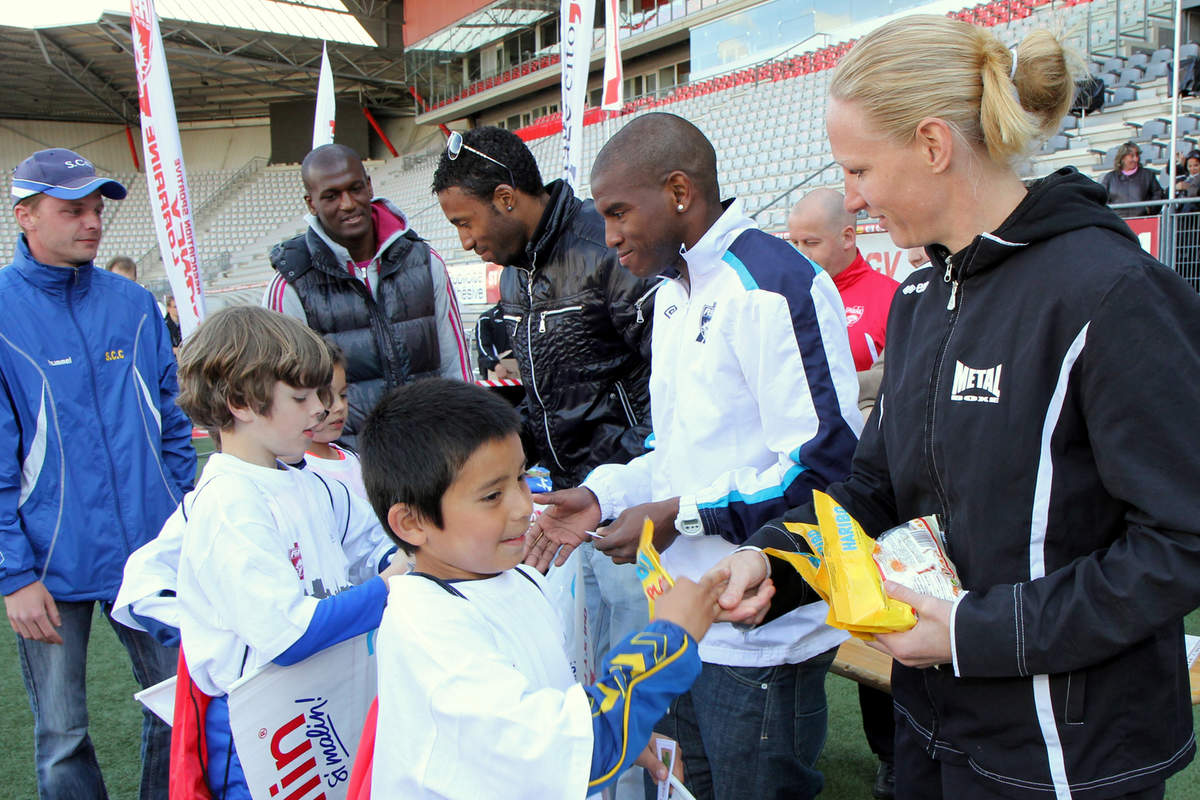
(55, 680)
(752, 731)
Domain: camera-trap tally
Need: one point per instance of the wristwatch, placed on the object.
(687, 521)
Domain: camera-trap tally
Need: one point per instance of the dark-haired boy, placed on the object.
(578, 324)
(276, 563)
(476, 698)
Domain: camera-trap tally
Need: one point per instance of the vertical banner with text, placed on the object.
(614, 77)
(576, 48)
(165, 175)
(323, 121)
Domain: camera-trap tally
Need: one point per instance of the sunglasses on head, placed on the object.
(455, 145)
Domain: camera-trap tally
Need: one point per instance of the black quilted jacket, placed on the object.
(579, 324)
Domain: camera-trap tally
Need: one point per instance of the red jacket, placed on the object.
(867, 296)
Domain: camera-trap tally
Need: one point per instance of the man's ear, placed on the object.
(308, 202)
(680, 191)
(408, 524)
(849, 237)
(504, 197)
(24, 216)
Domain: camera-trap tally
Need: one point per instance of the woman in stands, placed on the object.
(1189, 184)
(1130, 182)
(1036, 398)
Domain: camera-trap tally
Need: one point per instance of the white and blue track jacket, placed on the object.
(96, 453)
(753, 396)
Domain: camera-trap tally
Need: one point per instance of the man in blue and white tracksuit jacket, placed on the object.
(98, 457)
(753, 400)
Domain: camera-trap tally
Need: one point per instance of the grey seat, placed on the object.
(1114, 64)
(1119, 95)
(1158, 69)
(1129, 76)
(1056, 143)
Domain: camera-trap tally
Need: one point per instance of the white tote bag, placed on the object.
(565, 591)
(297, 728)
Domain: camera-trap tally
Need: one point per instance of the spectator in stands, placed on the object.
(578, 323)
(1189, 184)
(1035, 400)
(753, 399)
(824, 231)
(361, 276)
(123, 265)
(96, 461)
(1130, 182)
(171, 317)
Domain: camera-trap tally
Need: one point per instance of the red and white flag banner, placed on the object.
(575, 44)
(165, 174)
(323, 122)
(614, 77)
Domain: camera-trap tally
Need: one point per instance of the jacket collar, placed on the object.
(853, 273)
(706, 254)
(379, 206)
(54, 280)
(558, 214)
(1061, 202)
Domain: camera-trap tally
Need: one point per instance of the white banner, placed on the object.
(575, 43)
(614, 77)
(323, 122)
(296, 729)
(165, 175)
(884, 256)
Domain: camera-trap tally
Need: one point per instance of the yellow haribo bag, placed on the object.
(857, 600)
(655, 580)
(810, 565)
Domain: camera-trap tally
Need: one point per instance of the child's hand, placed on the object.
(693, 606)
(650, 761)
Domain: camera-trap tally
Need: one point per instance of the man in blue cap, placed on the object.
(98, 457)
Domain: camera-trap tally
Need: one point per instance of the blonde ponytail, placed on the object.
(928, 66)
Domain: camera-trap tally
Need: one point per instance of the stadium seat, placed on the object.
(1129, 76)
(1119, 95)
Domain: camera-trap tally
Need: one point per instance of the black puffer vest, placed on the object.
(389, 339)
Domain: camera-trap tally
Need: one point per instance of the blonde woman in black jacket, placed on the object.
(1040, 397)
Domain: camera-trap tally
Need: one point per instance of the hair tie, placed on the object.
(1012, 74)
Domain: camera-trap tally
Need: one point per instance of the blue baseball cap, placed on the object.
(60, 173)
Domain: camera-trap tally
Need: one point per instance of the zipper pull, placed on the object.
(638, 306)
(949, 278)
(542, 324)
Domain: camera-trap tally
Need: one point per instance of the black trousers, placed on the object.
(919, 777)
(879, 721)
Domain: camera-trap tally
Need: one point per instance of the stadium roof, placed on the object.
(228, 59)
(487, 25)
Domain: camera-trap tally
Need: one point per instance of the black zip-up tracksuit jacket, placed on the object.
(1041, 395)
(579, 324)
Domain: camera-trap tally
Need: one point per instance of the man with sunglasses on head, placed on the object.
(578, 323)
(363, 278)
